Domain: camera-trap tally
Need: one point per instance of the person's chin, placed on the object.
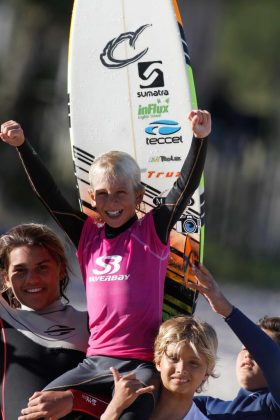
(246, 382)
(115, 223)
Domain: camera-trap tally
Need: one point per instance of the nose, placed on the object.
(32, 277)
(247, 354)
(181, 366)
(114, 197)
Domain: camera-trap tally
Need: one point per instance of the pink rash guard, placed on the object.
(124, 280)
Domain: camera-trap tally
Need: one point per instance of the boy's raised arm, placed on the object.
(42, 182)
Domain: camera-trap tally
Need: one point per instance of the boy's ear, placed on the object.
(139, 196)
(62, 273)
(6, 281)
(157, 365)
(92, 198)
(206, 377)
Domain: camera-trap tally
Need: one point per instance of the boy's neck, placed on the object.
(172, 406)
(111, 232)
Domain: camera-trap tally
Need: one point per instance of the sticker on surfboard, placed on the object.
(131, 87)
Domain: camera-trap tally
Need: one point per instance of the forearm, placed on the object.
(179, 196)
(111, 413)
(183, 189)
(47, 191)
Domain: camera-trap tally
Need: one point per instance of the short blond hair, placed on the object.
(182, 330)
(114, 166)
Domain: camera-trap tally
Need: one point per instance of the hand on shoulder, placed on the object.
(12, 133)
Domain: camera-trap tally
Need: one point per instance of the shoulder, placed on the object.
(209, 405)
(72, 311)
(195, 414)
(90, 228)
(5, 310)
(144, 224)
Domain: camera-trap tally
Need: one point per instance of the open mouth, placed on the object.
(180, 381)
(114, 213)
(34, 290)
(247, 365)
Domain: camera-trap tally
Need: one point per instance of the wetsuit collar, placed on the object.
(111, 232)
(57, 305)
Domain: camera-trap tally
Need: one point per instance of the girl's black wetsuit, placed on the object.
(36, 347)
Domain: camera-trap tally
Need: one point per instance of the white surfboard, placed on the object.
(130, 88)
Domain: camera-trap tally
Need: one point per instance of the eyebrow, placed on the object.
(38, 263)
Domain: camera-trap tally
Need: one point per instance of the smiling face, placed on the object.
(116, 202)
(248, 372)
(33, 276)
(182, 372)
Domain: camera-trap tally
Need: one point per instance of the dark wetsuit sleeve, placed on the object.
(45, 188)
(167, 214)
(263, 349)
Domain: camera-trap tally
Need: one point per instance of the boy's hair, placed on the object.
(32, 234)
(182, 330)
(114, 166)
(271, 324)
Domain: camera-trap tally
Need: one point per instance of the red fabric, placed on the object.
(94, 405)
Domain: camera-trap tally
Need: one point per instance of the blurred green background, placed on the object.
(234, 48)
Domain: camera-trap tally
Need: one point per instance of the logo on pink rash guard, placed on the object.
(110, 265)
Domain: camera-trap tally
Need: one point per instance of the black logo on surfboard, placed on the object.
(150, 74)
(108, 56)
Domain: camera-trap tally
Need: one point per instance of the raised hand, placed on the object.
(208, 287)
(200, 123)
(12, 133)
